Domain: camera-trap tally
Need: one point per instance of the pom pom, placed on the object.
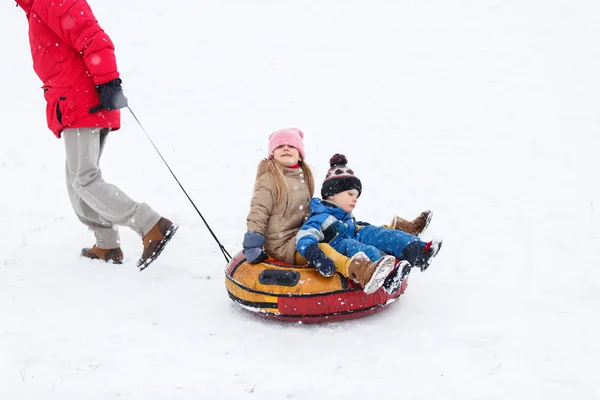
(338, 160)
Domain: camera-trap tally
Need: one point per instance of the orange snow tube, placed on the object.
(274, 289)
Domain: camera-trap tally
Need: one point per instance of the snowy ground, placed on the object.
(484, 111)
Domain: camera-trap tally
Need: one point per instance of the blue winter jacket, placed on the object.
(327, 223)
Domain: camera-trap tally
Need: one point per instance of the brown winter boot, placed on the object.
(415, 227)
(370, 275)
(155, 241)
(114, 256)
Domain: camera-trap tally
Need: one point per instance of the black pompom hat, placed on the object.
(339, 178)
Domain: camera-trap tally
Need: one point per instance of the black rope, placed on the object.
(223, 250)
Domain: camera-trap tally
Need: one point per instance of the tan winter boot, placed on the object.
(114, 256)
(415, 227)
(370, 275)
(155, 241)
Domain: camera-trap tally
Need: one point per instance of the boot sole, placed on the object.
(393, 282)
(161, 246)
(433, 254)
(380, 275)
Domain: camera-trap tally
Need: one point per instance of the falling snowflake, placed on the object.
(96, 60)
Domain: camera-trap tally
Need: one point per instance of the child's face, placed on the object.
(345, 200)
(287, 155)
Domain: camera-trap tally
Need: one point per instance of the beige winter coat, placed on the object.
(279, 222)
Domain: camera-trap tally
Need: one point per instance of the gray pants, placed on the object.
(100, 205)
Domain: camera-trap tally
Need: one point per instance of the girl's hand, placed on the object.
(253, 243)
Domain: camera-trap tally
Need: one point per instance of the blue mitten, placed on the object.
(319, 260)
(253, 243)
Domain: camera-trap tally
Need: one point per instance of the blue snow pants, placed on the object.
(373, 240)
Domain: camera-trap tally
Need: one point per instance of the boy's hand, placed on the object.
(325, 266)
(319, 260)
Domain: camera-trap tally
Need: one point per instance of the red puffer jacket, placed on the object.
(71, 55)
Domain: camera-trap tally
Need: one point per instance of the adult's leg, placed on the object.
(101, 204)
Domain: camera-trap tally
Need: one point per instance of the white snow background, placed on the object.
(486, 112)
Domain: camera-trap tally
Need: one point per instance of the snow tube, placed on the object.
(294, 293)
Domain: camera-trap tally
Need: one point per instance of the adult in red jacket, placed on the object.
(75, 59)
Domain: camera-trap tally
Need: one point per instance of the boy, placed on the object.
(331, 221)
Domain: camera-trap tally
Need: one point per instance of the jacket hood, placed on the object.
(318, 206)
(25, 4)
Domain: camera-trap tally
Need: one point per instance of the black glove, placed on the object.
(253, 243)
(111, 96)
(319, 260)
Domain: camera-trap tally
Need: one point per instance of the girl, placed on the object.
(280, 204)
(283, 189)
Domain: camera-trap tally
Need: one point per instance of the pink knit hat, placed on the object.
(290, 136)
